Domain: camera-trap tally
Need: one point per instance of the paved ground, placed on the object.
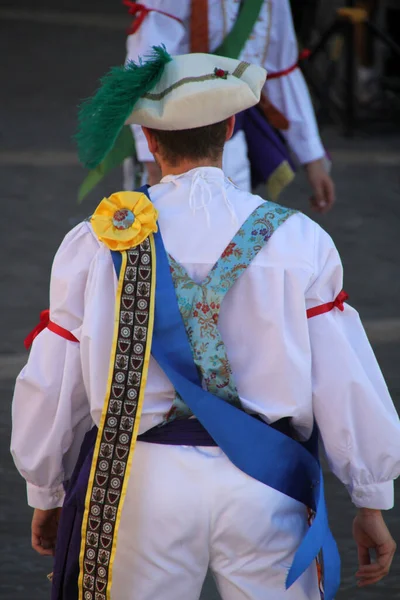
(53, 59)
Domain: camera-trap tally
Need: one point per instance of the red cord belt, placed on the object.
(304, 54)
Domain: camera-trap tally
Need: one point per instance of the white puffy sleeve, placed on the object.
(290, 93)
(50, 412)
(359, 426)
(156, 29)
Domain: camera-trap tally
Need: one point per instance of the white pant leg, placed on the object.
(255, 533)
(163, 541)
(235, 162)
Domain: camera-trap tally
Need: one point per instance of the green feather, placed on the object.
(102, 117)
(123, 148)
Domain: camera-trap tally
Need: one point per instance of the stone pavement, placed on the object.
(54, 57)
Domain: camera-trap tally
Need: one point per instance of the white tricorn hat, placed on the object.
(197, 90)
(166, 92)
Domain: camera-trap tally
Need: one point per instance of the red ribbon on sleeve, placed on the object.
(324, 308)
(140, 11)
(45, 322)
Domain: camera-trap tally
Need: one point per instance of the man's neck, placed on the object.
(187, 165)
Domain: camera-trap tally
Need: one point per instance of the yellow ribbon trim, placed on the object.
(279, 179)
(102, 423)
(104, 414)
(138, 410)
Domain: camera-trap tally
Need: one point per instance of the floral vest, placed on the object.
(200, 304)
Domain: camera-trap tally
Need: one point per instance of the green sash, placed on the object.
(234, 42)
(124, 146)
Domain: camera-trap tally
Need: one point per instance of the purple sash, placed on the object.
(265, 147)
(66, 562)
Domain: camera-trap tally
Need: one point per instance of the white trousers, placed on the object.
(188, 509)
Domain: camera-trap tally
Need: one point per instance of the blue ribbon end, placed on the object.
(292, 577)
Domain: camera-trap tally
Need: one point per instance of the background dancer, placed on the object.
(269, 141)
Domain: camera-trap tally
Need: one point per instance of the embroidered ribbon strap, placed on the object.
(140, 11)
(304, 54)
(45, 322)
(324, 308)
(199, 303)
(119, 422)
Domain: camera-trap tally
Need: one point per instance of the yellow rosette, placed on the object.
(124, 220)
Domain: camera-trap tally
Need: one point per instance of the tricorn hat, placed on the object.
(165, 92)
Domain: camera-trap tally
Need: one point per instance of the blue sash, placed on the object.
(255, 448)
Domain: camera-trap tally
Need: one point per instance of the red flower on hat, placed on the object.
(220, 73)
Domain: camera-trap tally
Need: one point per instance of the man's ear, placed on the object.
(151, 140)
(230, 128)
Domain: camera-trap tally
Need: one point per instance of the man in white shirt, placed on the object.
(183, 426)
(272, 44)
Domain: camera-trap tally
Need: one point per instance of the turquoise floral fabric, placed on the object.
(199, 304)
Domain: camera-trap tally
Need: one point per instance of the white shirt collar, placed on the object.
(205, 172)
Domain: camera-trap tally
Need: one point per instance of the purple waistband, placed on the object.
(180, 432)
(190, 432)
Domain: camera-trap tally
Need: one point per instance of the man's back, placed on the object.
(286, 361)
(199, 214)
(272, 44)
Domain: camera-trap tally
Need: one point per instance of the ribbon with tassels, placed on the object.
(44, 323)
